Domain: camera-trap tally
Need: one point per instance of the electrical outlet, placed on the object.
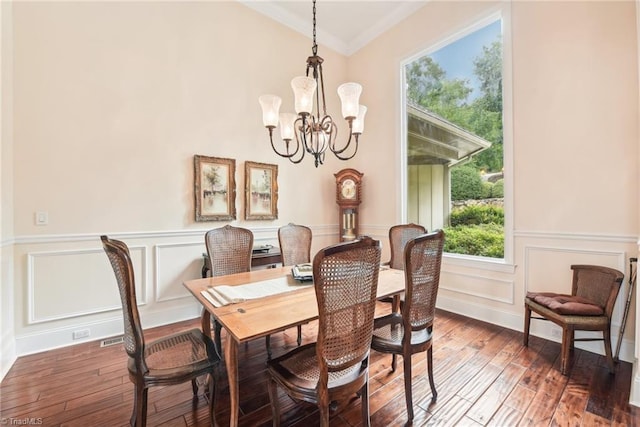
(81, 333)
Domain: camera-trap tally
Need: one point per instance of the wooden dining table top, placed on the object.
(255, 318)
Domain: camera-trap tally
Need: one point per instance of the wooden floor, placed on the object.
(483, 374)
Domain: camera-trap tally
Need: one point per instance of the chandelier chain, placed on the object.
(315, 45)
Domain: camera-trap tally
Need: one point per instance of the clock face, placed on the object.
(348, 189)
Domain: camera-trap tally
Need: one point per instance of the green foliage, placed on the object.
(476, 215)
(487, 189)
(466, 183)
(498, 189)
(476, 230)
(429, 87)
(480, 240)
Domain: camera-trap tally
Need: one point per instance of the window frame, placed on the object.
(501, 13)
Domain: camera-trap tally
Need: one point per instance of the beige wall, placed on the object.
(572, 137)
(112, 100)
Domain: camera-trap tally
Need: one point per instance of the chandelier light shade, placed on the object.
(311, 130)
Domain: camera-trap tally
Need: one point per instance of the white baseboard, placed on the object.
(7, 353)
(62, 337)
(634, 397)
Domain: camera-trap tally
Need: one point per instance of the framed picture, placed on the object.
(261, 191)
(215, 188)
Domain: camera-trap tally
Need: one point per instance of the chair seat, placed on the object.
(300, 368)
(183, 353)
(388, 333)
(583, 322)
(566, 304)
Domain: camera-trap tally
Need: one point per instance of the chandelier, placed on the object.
(314, 134)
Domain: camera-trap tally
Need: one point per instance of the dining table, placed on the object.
(247, 319)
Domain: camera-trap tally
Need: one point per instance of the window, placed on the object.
(454, 149)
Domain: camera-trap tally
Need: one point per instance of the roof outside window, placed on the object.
(433, 140)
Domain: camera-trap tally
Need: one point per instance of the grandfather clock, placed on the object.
(348, 197)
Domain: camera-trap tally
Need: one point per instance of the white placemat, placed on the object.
(224, 294)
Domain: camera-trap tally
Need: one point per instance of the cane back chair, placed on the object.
(411, 330)
(295, 248)
(170, 360)
(229, 249)
(399, 235)
(594, 292)
(336, 366)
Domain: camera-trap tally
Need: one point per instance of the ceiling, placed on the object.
(342, 25)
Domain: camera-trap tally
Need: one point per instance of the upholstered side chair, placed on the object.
(589, 307)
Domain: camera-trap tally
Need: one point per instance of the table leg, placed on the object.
(231, 360)
(206, 322)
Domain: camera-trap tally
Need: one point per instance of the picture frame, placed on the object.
(261, 191)
(214, 188)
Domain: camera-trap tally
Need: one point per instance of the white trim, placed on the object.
(478, 262)
(481, 312)
(7, 352)
(634, 395)
(613, 238)
(507, 134)
(302, 25)
(121, 235)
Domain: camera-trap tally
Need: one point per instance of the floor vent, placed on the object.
(111, 341)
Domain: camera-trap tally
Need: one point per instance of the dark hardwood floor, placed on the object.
(483, 374)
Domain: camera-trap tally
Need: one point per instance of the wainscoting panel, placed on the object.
(478, 285)
(175, 263)
(71, 283)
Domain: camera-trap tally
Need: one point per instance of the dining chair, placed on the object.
(594, 292)
(295, 244)
(170, 360)
(411, 330)
(336, 366)
(229, 249)
(399, 235)
(295, 248)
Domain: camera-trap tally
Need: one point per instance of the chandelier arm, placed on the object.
(286, 155)
(337, 153)
(346, 147)
(299, 146)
